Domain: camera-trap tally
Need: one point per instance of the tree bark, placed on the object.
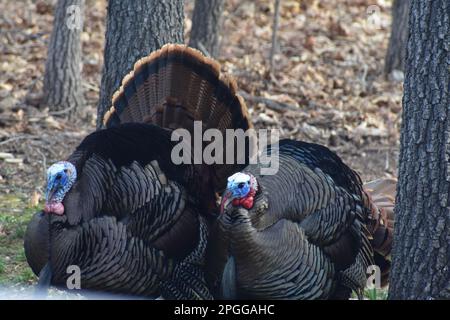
(206, 25)
(133, 30)
(421, 253)
(396, 52)
(62, 78)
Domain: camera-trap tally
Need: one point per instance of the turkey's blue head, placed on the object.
(60, 178)
(241, 189)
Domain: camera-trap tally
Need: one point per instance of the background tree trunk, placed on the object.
(133, 30)
(206, 25)
(396, 52)
(421, 253)
(62, 79)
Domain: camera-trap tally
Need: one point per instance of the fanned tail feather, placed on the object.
(175, 86)
(184, 79)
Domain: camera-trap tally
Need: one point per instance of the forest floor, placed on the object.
(328, 77)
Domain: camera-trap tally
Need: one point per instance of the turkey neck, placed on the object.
(270, 263)
(252, 247)
(243, 242)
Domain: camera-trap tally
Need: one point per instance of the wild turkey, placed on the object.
(308, 232)
(118, 207)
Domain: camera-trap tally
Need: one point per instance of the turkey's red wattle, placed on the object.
(54, 207)
(247, 201)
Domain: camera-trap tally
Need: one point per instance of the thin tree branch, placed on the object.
(271, 104)
(276, 19)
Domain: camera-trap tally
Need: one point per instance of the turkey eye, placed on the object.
(58, 176)
(241, 185)
(65, 170)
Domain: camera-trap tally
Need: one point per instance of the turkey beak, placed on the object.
(50, 194)
(226, 199)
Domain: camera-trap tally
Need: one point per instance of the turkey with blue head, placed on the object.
(118, 207)
(309, 231)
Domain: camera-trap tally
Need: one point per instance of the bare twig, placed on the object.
(293, 92)
(61, 112)
(387, 164)
(271, 104)
(276, 18)
(17, 138)
(364, 77)
(90, 86)
(203, 49)
(44, 162)
(381, 148)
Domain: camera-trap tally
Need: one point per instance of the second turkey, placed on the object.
(310, 231)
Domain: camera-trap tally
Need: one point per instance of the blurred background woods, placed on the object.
(327, 82)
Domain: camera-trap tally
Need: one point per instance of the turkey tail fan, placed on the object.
(381, 194)
(175, 86)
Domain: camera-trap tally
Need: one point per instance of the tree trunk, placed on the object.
(206, 25)
(421, 253)
(133, 30)
(395, 56)
(62, 79)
